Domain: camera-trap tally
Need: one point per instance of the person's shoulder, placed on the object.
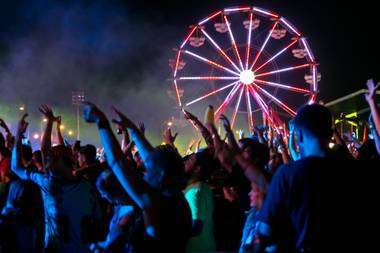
(300, 167)
(299, 164)
(204, 186)
(193, 187)
(38, 176)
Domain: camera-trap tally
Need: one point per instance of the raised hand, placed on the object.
(142, 128)
(92, 114)
(370, 95)
(47, 112)
(226, 123)
(58, 119)
(4, 125)
(191, 145)
(22, 125)
(258, 131)
(190, 117)
(221, 150)
(169, 138)
(123, 120)
(230, 194)
(217, 141)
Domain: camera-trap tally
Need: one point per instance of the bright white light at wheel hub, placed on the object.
(247, 77)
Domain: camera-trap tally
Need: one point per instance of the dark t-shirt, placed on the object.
(173, 231)
(321, 205)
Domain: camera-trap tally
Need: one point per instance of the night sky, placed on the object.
(117, 51)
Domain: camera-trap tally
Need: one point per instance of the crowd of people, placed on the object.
(270, 192)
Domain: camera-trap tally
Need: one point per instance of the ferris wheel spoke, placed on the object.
(248, 49)
(227, 101)
(283, 70)
(233, 42)
(260, 101)
(314, 69)
(264, 44)
(262, 104)
(188, 36)
(220, 51)
(209, 78)
(283, 86)
(249, 109)
(212, 63)
(176, 63)
(177, 93)
(237, 106)
(209, 17)
(276, 100)
(211, 93)
(277, 55)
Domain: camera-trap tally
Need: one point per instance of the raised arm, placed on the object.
(250, 169)
(260, 134)
(230, 134)
(376, 136)
(4, 126)
(2, 141)
(281, 146)
(17, 165)
(221, 150)
(9, 139)
(115, 158)
(370, 97)
(169, 138)
(125, 140)
(339, 140)
(46, 138)
(200, 127)
(142, 144)
(58, 131)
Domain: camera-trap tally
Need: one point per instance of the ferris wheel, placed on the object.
(245, 53)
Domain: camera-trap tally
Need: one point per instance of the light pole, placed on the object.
(77, 97)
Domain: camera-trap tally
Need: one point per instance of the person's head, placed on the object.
(110, 188)
(275, 161)
(86, 155)
(37, 159)
(59, 161)
(200, 165)
(313, 129)
(255, 151)
(27, 153)
(165, 169)
(256, 196)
